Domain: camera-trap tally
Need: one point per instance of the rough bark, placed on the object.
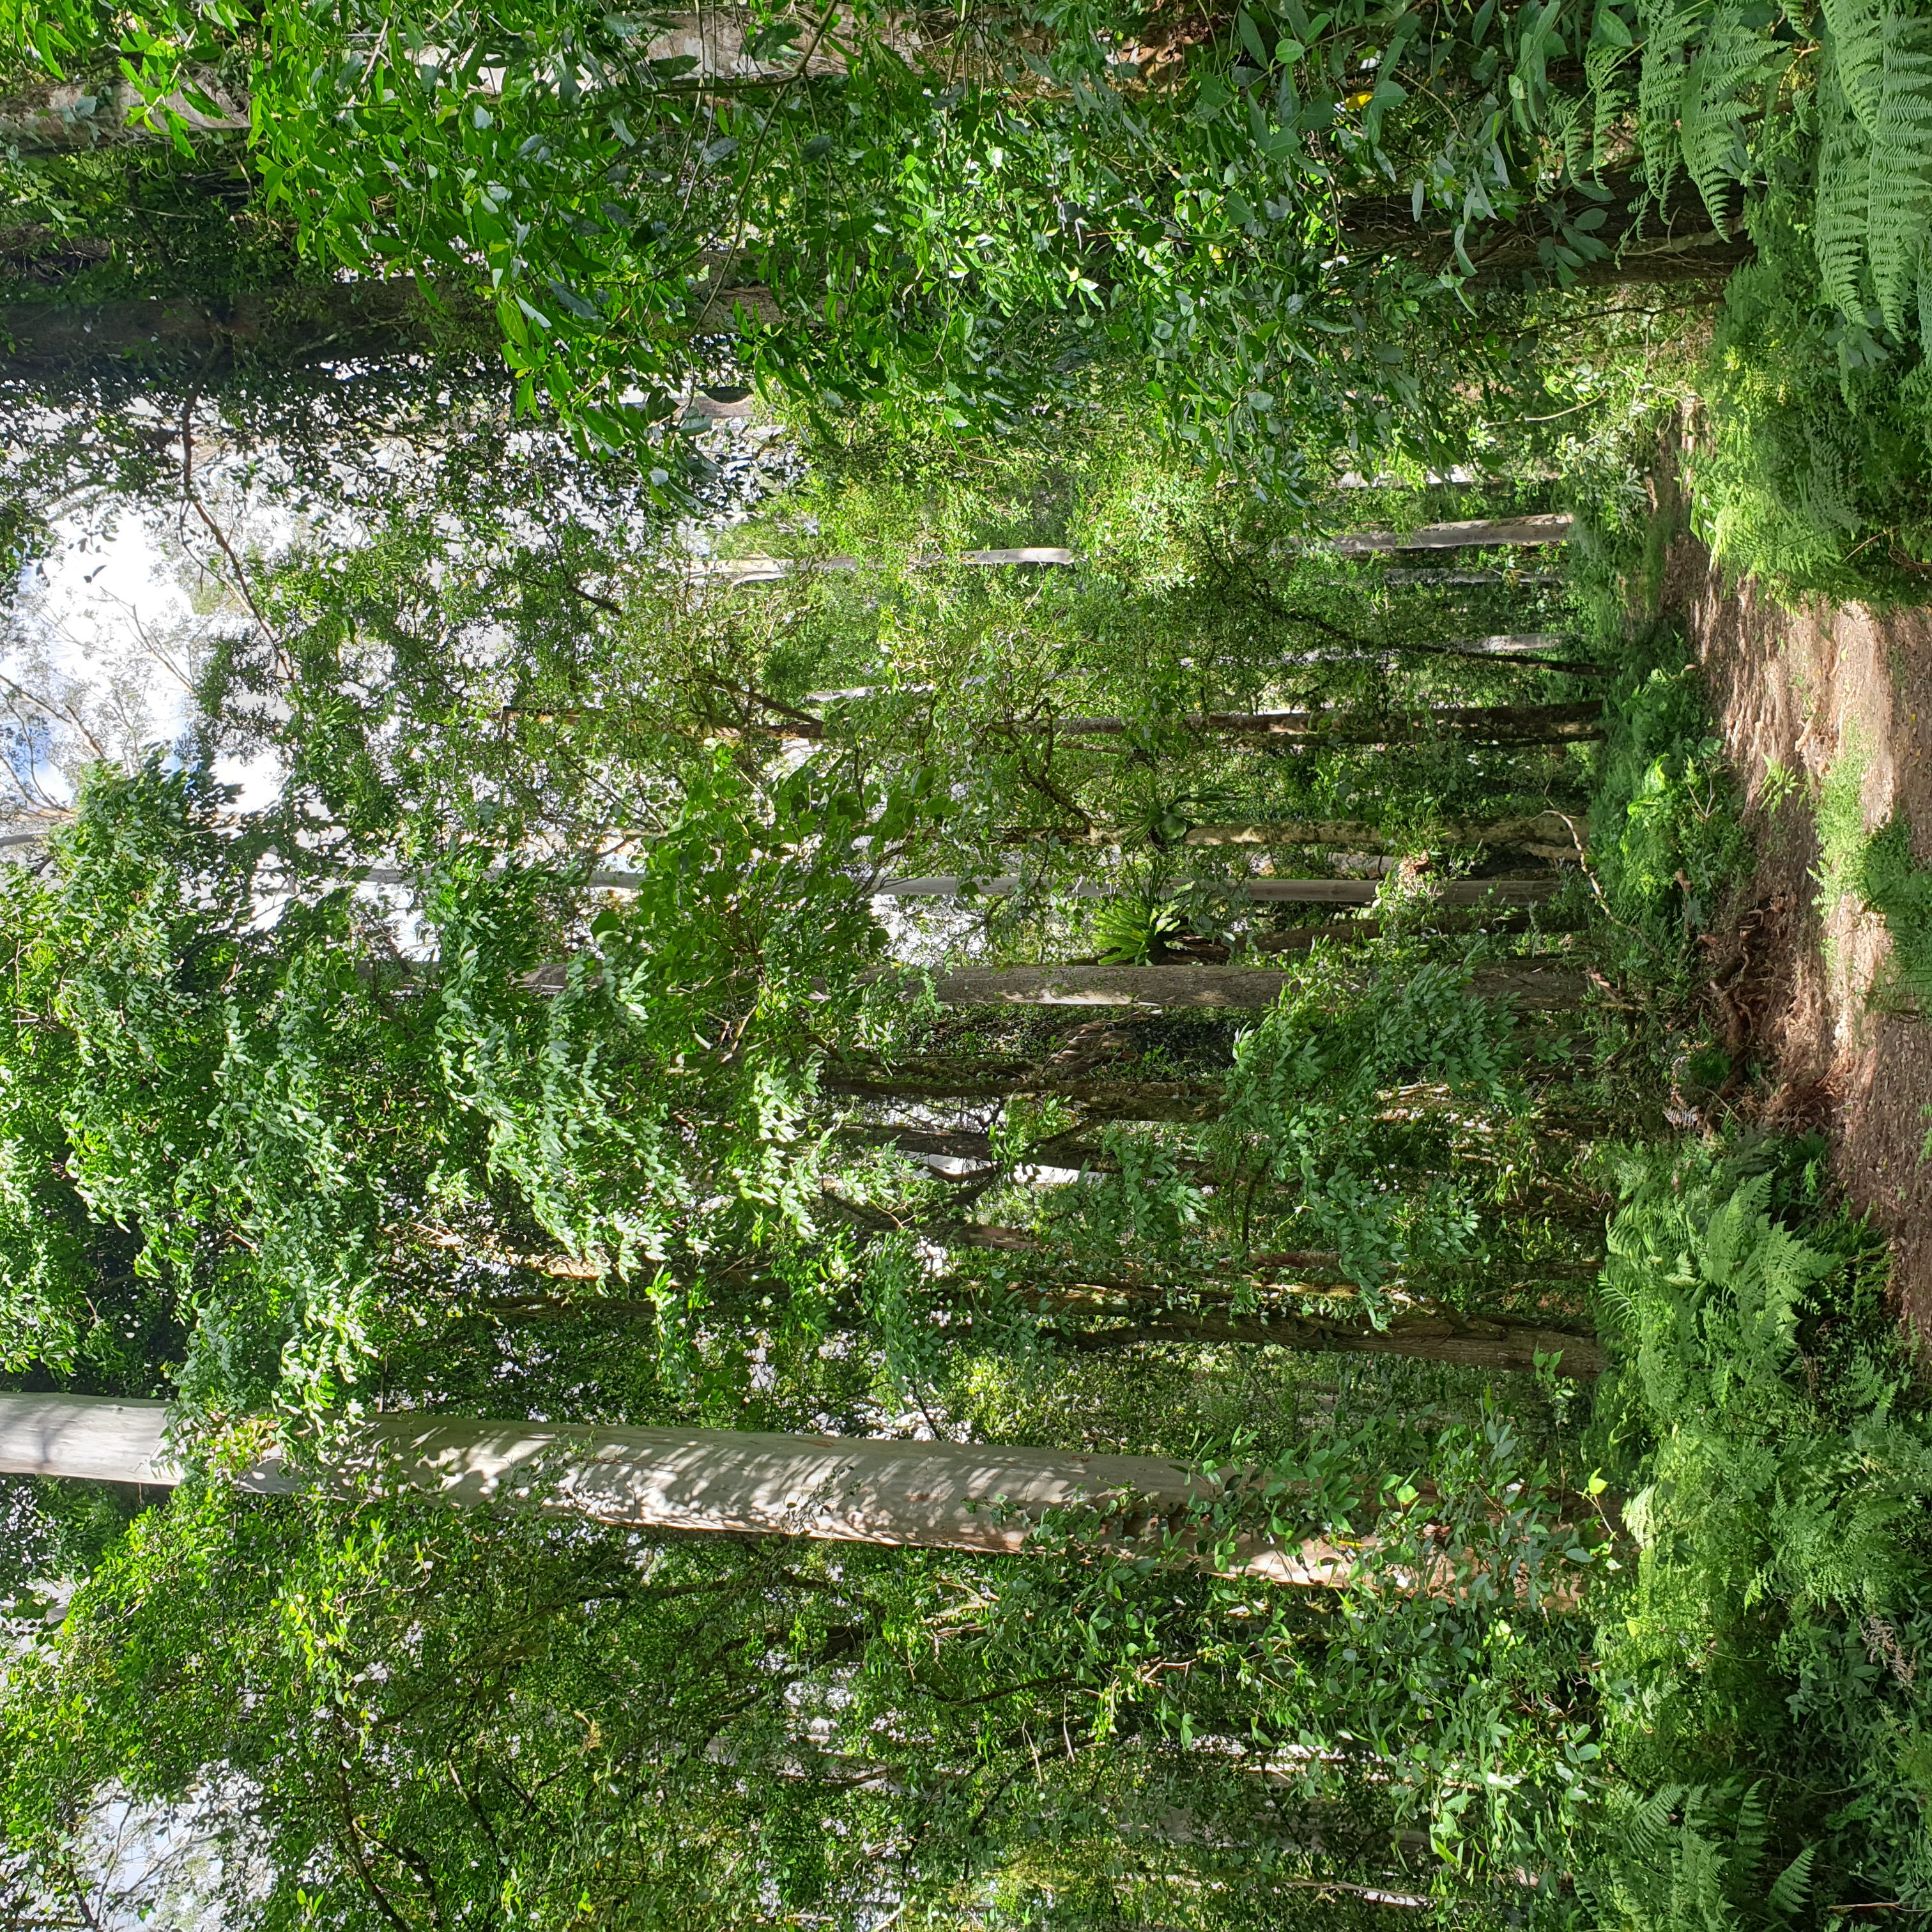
(1182, 987)
(937, 1495)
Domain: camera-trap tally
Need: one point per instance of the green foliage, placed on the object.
(1820, 446)
(1897, 887)
(1664, 835)
(1305, 1090)
(250, 1116)
(1880, 872)
(1692, 1856)
(1840, 817)
(1130, 931)
(414, 1713)
(1760, 1670)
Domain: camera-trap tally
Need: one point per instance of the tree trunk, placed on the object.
(1499, 724)
(68, 118)
(1493, 1344)
(1457, 893)
(738, 570)
(927, 1496)
(1172, 1100)
(1551, 834)
(1169, 988)
(1483, 532)
(1486, 725)
(1644, 242)
(291, 327)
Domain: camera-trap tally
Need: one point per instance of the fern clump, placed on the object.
(1665, 836)
(1761, 1669)
(1896, 886)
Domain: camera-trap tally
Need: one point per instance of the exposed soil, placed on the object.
(1793, 982)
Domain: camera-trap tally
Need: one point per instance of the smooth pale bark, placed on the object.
(1482, 532)
(1174, 1100)
(70, 118)
(929, 1495)
(1167, 989)
(770, 569)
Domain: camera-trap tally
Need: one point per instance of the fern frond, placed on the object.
(1843, 191)
(1793, 1885)
(1646, 1829)
(1899, 201)
(1660, 91)
(1605, 58)
(1856, 31)
(1753, 1828)
(1711, 109)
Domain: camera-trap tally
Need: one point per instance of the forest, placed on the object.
(969, 968)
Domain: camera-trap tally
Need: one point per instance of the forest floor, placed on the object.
(1792, 979)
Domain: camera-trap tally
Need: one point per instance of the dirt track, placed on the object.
(1799, 687)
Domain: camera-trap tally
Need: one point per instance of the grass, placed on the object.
(1878, 870)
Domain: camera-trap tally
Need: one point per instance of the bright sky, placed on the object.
(106, 631)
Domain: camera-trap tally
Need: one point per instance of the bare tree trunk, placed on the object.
(1460, 893)
(1646, 242)
(1485, 724)
(290, 327)
(1493, 1344)
(1484, 531)
(929, 1496)
(1498, 723)
(1167, 987)
(971, 1080)
(1558, 834)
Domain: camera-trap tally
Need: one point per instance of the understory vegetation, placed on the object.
(964, 737)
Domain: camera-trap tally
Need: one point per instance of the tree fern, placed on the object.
(1844, 189)
(1900, 201)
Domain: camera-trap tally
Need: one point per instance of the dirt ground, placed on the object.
(1797, 688)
